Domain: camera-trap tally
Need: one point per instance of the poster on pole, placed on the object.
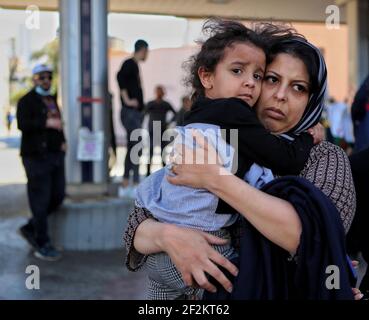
(90, 145)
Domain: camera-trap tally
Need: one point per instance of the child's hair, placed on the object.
(223, 34)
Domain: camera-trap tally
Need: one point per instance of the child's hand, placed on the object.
(318, 133)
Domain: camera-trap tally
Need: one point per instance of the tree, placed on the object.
(51, 52)
(20, 85)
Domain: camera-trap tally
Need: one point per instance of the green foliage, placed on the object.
(16, 95)
(51, 52)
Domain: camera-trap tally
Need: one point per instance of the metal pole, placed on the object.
(71, 82)
(100, 112)
(84, 68)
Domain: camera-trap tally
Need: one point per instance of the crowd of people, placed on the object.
(346, 122)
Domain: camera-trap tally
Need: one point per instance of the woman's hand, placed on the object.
(197, 167)
(357, 294)
(318, 133)
(191, 252)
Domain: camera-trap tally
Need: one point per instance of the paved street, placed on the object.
(79, 275)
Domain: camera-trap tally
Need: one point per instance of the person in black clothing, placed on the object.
(132, 105)
(43, 147)
(186, 106)
(357, 237)
(157, 110)
(360, 116)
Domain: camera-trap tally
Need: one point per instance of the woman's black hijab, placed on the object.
(316, 102)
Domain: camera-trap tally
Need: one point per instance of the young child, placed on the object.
(226, 76)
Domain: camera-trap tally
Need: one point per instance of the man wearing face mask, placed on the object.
(42, 150)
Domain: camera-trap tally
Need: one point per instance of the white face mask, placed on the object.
(42, 91)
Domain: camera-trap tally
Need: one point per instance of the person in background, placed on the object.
(360, 116)
(357, 237)
(325, 121)
(336, 112)
(129, 82)
(348, 129)
(9, 120)
(43, 148)
(157, 111)
(186, 106)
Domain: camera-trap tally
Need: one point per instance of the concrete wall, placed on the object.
(335, 49)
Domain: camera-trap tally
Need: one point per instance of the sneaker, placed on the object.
(48, 253)
(28, 236)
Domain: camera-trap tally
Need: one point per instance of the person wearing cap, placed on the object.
(131, 95)
(43, 147)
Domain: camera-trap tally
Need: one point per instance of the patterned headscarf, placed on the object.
(315, 105)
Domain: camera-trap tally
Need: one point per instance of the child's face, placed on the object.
(239, 74)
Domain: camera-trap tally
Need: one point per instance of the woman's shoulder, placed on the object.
(326, 159)
(328, 168)
(326, 149)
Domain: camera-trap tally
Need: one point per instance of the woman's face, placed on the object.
(284, 93)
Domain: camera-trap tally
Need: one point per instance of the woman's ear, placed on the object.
(206, 78)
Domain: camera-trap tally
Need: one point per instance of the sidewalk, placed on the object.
(79, 275)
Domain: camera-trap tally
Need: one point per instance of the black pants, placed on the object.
(131, 120)
(358, 236)
(46, 190)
